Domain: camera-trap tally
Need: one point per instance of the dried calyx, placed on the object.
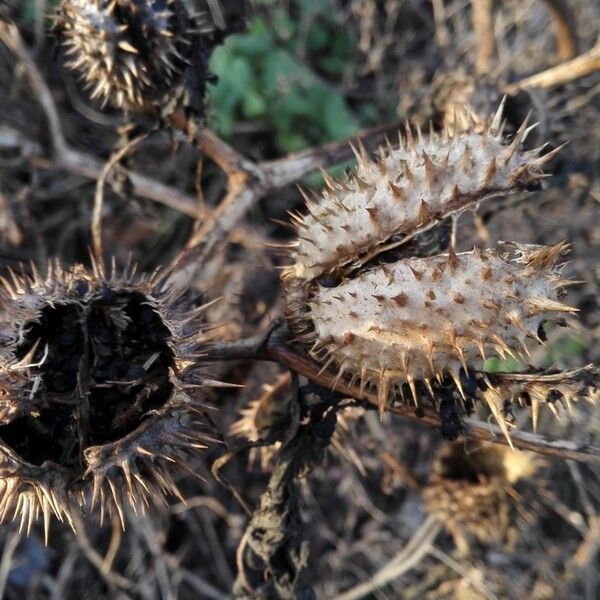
(139, 54)
(472, 493)
(98, 390)
(390, 320)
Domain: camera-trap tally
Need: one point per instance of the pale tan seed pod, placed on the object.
(100, 392)
(384, 323)
(425, 318)
(472, 492)
(408, 189)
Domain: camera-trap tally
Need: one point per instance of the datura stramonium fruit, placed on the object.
(99, 391)
(139, 54)
(387, 320)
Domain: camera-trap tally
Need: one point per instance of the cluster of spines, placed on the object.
(132, 53)
(134, 470)
(472, 492)
(537, 388)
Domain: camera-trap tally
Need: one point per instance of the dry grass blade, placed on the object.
(415, 550)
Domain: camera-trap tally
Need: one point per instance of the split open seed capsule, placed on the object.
(99, 391)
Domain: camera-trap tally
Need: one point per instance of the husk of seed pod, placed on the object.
(139, 54)
(101, 396)
(556, 390)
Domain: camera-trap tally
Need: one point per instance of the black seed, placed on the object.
(330, 281)
(81, 287)
(554, 395)
(542, 332)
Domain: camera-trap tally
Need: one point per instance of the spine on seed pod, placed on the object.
(386, 323)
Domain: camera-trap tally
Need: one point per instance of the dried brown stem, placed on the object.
(276, 347)
(66, 158)
(485, 40)
(96, 225)
(248, 182)
(565, 29)
(578, 67)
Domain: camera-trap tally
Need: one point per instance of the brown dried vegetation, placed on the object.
(261, 436)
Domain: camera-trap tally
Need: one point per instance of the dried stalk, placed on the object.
(79, 163)
(578, 67)
(276, 346)
(565, 29)
(485, 40)
(96, 226)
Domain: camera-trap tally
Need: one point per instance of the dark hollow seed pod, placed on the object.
(99, 391)
(139, 54)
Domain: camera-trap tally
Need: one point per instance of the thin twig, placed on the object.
(456, 566)
(73, 161)
(284, 171)
(485, 40)
(112, 578)
(565, 29)
(96, 224)
(10, 35)
(409, 557)
(10, 545)
(578, 67)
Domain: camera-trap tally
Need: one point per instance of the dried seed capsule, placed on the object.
(138, 54)
(393, 322)
(472, 493)
(72, 415)
(410, 189)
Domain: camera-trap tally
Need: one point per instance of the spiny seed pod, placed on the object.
(138, 54)
(559, 112)
(386, 321)
(98, 390)
(472, 492)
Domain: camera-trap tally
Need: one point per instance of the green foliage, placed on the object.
(28, 12)
(565, 349)
(262, 78)
(498, 365)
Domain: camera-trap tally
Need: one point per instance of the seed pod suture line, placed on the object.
(100, 396)
(387, 322)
